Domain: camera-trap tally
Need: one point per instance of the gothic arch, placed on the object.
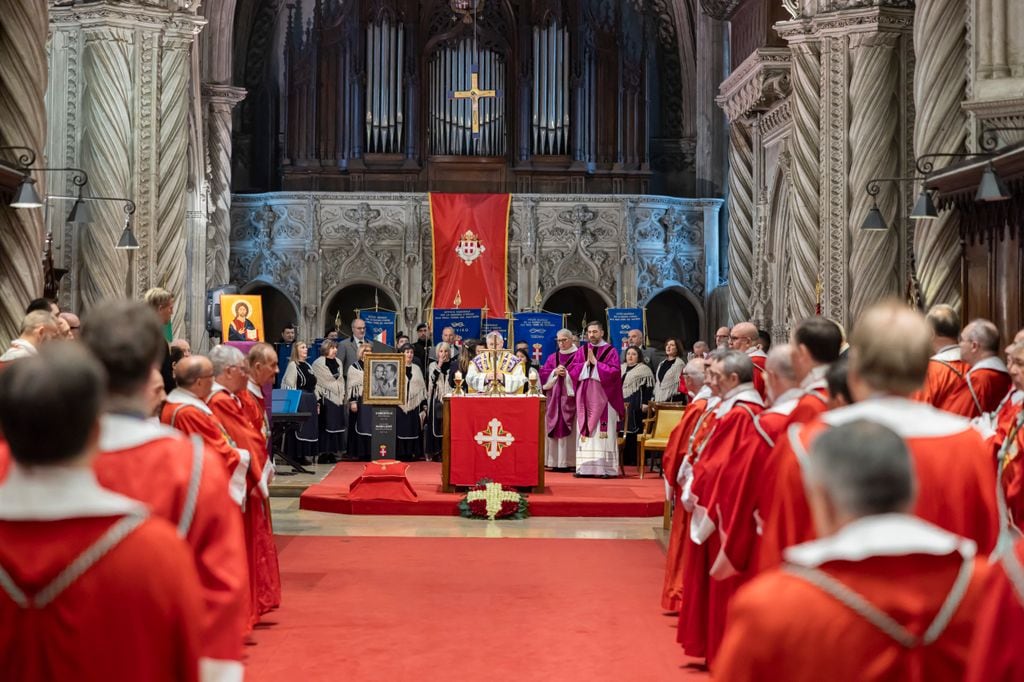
(778, 287)
(359, 295)
(689, 299)
(577, 299)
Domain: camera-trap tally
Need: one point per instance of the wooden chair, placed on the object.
(657, 428)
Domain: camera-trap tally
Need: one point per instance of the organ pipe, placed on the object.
(384, 85)
(550, 116)
(451, 120)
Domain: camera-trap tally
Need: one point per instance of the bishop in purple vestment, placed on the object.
(599, 406)
(560, 449)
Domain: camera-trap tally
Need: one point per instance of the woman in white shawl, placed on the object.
(439, 386)
(668, 373)
(360, 417)
(330, 393)
(413, 412)
(637, 389)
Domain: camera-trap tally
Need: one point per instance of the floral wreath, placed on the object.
(488, 500)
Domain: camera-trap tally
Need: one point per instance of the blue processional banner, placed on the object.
(498, 324)
(465, 322)
(380, 325)
(538, 330)
(620, 321)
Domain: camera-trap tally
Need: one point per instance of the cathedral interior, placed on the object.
(710, 160)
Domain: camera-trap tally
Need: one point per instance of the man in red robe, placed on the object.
(732, 438)
(945, 385)
(187, 411)
(816, 342)
(1011, 443)
(92, 587)
(888, 362)
(744, 337)
(996, 653)
(226, 401)
(883, 595)
(783, 390)
(987, 379)
(675, 451)
(176, 477)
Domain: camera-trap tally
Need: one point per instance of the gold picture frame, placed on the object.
(384, 379)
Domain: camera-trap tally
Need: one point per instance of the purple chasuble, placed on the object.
(561, 407)
(593, 398)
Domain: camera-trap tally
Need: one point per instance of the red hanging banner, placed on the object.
(470, 244)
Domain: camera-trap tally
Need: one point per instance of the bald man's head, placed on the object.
(195, 375)
(743, 336)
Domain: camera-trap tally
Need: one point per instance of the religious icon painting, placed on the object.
(384, 379)
(242, 318)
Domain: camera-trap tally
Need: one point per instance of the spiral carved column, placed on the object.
(107, 157)
(22, 88)
(803, 240)
(874, 152)
(939, 85)
(741, 222)
(220, 100)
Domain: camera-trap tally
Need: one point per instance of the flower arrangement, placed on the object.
(488, 500)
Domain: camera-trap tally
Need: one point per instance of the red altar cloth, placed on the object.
(384, 479)
(495, 438)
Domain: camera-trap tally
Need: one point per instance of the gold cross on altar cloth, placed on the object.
(475, 94)
(494, 439)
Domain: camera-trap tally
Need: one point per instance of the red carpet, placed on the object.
(563, 495)
(426, 609)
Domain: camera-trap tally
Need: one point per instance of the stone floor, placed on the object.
(290, 520)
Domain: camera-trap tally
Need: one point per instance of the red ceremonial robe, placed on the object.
(996, 654)
(759, 358)
(183, 482)
(132, 612)
(814, 400)
(1006, 413)
(788, 625)
(945, 385)
(675, 453)
(731, 440)
(953, 464)
(1011, 470)
(256, 413)
(264, 572)
(189, 414)
(989, 382)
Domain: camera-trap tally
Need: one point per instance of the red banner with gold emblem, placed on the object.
(470, 238)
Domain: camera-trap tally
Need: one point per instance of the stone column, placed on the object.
(132, 139)
(22, 88)
(741, 222)
(874, 152)
(218, 103)
(803, 238)
(939, 89)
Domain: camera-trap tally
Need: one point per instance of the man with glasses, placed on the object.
(744, 337)
(722, 338)
(560, 420)
(348, 349)
(187, 411)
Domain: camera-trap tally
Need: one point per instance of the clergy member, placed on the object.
(93, 587)
(744, 337)
(729, 447)
(816, 342)
(560, 418)
(599, 407)
(226, 401)
(37, 327)
(176, 477)
(987, 379)
(501, 366)
(996, 653)
(889, 358)
(883, 595)
(187, 411)
(784, 392)
(696, 387)
(1011, 464)
(945, 386)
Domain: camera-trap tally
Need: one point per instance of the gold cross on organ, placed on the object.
(475, 94)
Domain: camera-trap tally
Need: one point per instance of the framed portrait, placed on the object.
(384, 379)
(242, 318)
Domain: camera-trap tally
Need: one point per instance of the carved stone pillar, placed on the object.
(874, 152)
(218, 103)
(803, 240)
(132, 141)
(939, 88)
(22, 87)
(741, 222)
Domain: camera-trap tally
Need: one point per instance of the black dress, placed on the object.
(303, 443)
(361, 422)
(634, 403)
(433, 438)
(409, 428)
(333, 417)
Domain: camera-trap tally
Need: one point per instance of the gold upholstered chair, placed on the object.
(656, 429)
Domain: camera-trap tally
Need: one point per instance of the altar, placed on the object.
(497, 437)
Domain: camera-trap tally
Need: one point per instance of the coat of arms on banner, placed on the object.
(469, 248)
